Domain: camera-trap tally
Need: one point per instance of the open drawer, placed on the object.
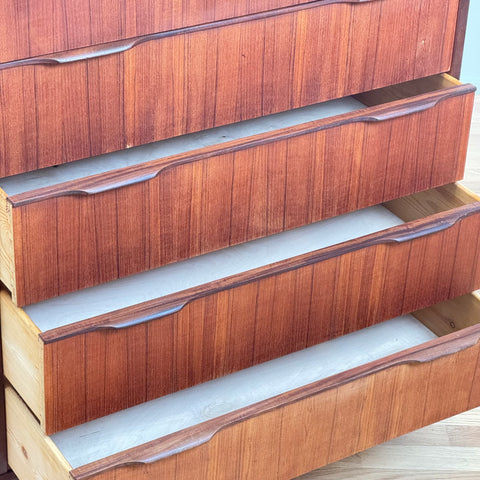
(74, 104)
(90, 353)
(92, 221)
(280, 419)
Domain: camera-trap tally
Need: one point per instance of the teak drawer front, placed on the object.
(85, 232)
(78, 372)
(41, 27)
(77, 104)
(297, 431)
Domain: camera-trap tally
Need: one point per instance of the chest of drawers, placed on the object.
(220, 305)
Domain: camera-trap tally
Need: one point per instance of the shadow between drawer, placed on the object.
(75, 234)
(80, 371)
(300, 430)
(59, 109)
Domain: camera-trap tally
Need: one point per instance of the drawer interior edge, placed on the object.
(431, 202)
(157, 153)
(7, 249)
(377, 341)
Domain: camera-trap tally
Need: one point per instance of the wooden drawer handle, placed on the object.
(430, 228)
(141, 319)
(417, 229)
(404, 110)
(121, 46)
(189, 438)
(113, 180)
(212, 427)
(437, 352)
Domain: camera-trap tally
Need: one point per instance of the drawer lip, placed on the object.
(207, 108)
(94, 49)
(195, 436)
(114, 179)
(119, 46)
(163, 306)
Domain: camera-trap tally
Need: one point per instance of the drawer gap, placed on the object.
(279, 124)
(405, 90)
(430, 202)
(97, 439)
(201, 403)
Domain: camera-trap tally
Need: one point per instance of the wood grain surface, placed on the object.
(56, 113)
(39, 27)
(249, 320)
(294, 431)
(407, 453)
(3, 428)
(449, 450)
(311, 426)
(109, 226)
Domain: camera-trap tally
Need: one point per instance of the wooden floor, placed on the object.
(448, 450)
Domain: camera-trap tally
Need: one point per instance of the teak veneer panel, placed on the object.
(342, 415)
(78, 104)
(89, 231)
(108, 363)
(39, 27)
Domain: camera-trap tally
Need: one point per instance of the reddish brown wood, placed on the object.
(460, 31)
(228, 72)
(39, 27)
(307, 428)
(386, 104)
(175, 208)
(251, 318)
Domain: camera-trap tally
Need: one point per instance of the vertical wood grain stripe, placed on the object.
(214, 77)
(230, 198)
(316, 430)
(237, 328)
(39, 27)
